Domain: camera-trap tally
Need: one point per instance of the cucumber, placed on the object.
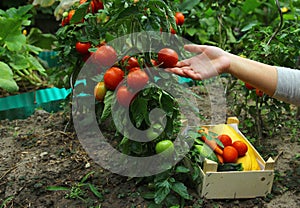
(230, 167)
(206, 152)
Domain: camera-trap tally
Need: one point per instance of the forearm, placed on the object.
(259, 75)
(278, 82)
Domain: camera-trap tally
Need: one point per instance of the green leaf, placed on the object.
(191, 31)
(231, 38)
(162, 192)
(182, 169)
(107, 105)
(139, 111)
(36, 65)
(95, 191)
(167, 103)
(148, 195)
(15, 42)
(181, 189)
(188, 5)
(250, 5)
(37, 38)
(6, 78)
(80, 13)
(19, 61)
(249, 26)
(22, 10)
(57, 188)
(153, 205)
(87, 176)
(33, 49)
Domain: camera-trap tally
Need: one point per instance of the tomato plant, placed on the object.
(126, 69)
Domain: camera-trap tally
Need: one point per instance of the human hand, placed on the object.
(209, 62)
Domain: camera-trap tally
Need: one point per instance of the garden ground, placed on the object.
(37, 152)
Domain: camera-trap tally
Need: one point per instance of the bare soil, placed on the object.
(38, 152)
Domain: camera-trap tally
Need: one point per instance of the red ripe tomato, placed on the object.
(124, 96)
(100, 91)
(137, 79)
(230, 154)
(167, 57)
(65, 21)
(83, 47)
(225, 139)
(105, 56)
(70, 15)
(172, 30)
(248, 86)
(179, 17)
(134, 69)
(241, 147)
(97, 5)
(130, 62)
(154, 62)
(259, 93)
(112, 77)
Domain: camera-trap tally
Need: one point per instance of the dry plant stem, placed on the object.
(280, 23)
(54, 132)
(7, 172)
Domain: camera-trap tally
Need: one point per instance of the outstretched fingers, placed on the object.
(193, 48)
(179, 70)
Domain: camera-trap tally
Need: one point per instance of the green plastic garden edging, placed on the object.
(23, 105)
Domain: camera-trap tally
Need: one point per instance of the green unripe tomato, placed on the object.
(164, 145)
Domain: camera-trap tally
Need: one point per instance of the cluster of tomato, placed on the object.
(257, 91)
(179, 19)
(232, 150)
(128, 71)
(94, 6)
